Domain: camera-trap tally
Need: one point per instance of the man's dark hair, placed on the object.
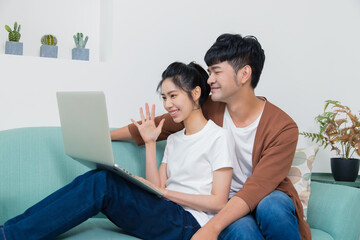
(188, 77)
(238, 51)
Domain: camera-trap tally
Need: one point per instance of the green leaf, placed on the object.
(8, 28)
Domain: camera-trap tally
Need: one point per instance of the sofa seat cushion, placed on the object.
(317, 234)
(96, 228)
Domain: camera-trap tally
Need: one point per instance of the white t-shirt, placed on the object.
(244, 143)
(192, 159)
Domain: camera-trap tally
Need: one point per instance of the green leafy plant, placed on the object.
(49, 39)
(339, 128)
(14, 35)
(80, 42)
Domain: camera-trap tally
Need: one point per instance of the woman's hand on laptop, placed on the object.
(161, 190)
(148, 130)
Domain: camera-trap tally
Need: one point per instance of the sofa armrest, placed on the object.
(334, 209)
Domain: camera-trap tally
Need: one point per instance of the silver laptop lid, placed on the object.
(85, 126)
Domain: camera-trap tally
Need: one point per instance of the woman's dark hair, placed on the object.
(238, 51)
(187, 77)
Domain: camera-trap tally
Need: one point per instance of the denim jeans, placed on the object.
(274, 218)
(138, 212)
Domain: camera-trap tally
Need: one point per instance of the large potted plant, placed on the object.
(339, 129)
(13, 46)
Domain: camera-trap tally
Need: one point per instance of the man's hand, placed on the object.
(207, 233)
(148, 131)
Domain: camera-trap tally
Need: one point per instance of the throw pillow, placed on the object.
(300, 173)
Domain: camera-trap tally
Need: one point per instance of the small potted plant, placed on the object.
(339, 129)
(80, 52)
(48, 47)
(13, 46)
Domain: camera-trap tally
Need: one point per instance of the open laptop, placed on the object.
(86, 133)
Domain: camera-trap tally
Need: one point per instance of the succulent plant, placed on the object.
(14, 35)
(49, 40)
(79, 41)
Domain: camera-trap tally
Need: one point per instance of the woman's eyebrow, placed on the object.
(169, 92)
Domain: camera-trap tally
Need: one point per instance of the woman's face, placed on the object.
(176, 101)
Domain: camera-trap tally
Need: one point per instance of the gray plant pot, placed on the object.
(49, 51)
(80, 54)
(15, 48)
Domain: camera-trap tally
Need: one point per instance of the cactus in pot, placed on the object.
(14, 35)
(48, 47)
(80, 52)
(13, 46)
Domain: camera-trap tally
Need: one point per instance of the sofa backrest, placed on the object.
(334, 209)
(33, 164)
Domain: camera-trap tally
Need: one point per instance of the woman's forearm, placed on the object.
(152, 172)
(206, 203)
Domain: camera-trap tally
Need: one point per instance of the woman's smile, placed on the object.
(173, 112)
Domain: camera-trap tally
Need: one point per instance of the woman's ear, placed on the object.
(196, 93)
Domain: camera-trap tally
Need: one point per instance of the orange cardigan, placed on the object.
(273, 152)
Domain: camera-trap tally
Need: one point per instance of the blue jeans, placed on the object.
(274, 218)
(138, 212)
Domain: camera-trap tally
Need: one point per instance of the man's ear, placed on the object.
(196, 93)
(244, 75)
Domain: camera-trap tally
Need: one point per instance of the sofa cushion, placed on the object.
(335, 210)
(300, 173)
(317, 234)
(33, 164)
(94, 229)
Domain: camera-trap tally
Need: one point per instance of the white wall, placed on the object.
(62, 19)
(311, 48)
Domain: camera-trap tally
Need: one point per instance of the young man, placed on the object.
(263, 202)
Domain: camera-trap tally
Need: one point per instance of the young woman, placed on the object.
(195, 175)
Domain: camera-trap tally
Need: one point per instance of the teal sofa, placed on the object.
(33, 165)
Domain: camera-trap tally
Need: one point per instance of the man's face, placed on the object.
(223, 82)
